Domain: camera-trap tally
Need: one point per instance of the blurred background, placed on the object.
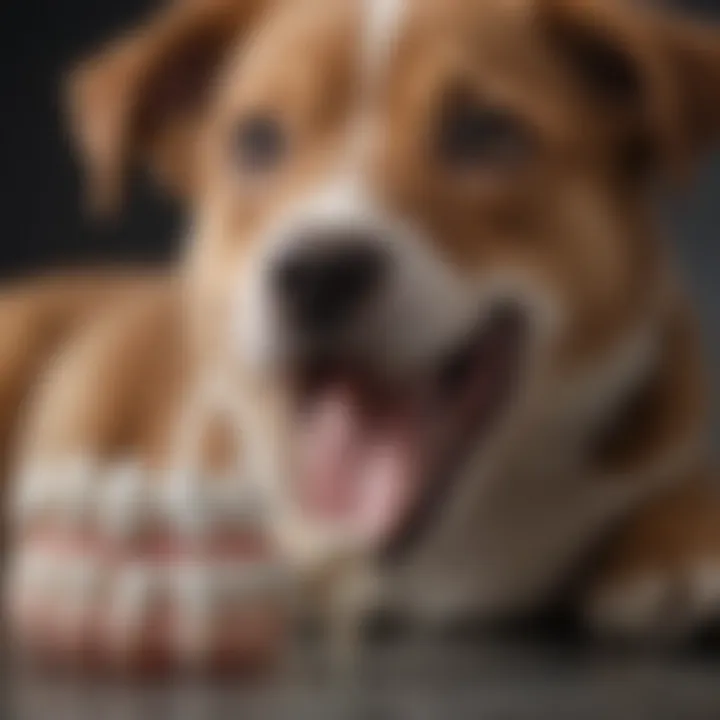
(40, 202)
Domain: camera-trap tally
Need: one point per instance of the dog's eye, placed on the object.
(258, 143)
(472, 135)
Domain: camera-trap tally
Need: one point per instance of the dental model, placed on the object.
(124, 568)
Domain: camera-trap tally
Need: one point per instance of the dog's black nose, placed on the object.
(324, 281)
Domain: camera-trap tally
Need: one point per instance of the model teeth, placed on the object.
(208, 591)
(34, 578)
(80, 589)
(33, 495)
(76, 493)
(200, 509)
(21, 578)
(238, 505)
(210, 596)
(79, 593)
(195, 606)
(138, 589)
(226, 583)
(188, 508)
(44, 574)
(129, 505)
(81, 577)
(125, 501)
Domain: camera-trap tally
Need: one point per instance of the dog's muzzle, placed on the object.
(326, 279)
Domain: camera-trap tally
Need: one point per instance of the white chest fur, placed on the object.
(507, 541)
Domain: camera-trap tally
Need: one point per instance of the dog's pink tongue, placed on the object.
(355, 470)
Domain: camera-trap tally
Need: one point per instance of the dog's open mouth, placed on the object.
(375, 459)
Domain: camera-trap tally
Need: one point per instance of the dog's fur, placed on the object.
(604, 460)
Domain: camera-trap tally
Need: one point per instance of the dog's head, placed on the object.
(414, 215)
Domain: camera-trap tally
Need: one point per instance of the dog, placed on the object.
(423, 296)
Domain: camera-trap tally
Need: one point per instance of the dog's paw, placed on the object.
(123, 569)
(656, 606)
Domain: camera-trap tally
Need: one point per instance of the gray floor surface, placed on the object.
(491, 679)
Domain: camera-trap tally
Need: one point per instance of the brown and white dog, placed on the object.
(424, 289)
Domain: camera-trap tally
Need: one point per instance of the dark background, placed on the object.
(41, 212)
(41, 220)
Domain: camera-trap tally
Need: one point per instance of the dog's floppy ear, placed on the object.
(139, 102)
(654, 76)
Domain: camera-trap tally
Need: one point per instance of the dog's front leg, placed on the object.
(659, 579)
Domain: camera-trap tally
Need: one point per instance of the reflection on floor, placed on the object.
(471, 677)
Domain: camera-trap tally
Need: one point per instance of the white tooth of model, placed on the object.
(19, 582)
(138, 588)
(79, 594)
(237, 505)
(35, 576)
(76, 495)
(196, 603)
(231, 588)
(200, 506)
(33, 495)
(185, 501)
(129, 501)
(260, 582)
